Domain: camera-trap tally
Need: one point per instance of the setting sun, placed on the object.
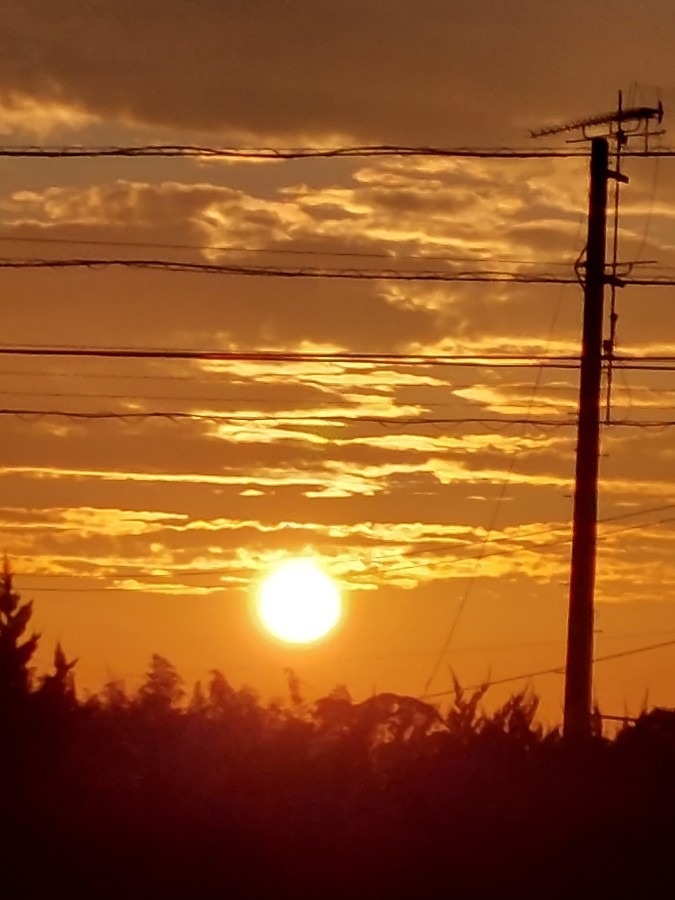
(299, 603)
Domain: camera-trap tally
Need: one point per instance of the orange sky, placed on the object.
(141, 535)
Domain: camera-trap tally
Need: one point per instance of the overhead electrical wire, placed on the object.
(530, 545)
(484, 276)
(543, 532)
(554, 670)
(308, 417)
(294, 153)
(466, 596)
(165, 265)
(319, 418)
(282, 251)
(285, 153)
(200, 376)
(290, 356)
(646, 367)
(280, 356)
(212, 379)
(658, 362)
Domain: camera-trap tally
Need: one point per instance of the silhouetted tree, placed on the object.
(57, 690)
(16, 651)
(294, 689)
(198, 702)
(162, 689)
(221, 694)
(335, 713)
(232, 707)
(464, 716)
(112, 696)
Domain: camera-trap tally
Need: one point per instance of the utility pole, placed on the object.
(620, 125)
(578, 670)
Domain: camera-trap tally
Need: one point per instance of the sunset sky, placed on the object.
(135, 535)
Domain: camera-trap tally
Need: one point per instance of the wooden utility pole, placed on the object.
(579, 667)
(622, 124)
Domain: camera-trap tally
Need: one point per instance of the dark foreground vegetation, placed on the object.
(218, 795)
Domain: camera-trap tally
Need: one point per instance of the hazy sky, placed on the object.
(141, 535)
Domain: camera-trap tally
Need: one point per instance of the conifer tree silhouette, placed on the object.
(16, 650)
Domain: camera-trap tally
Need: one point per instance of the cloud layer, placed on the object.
(308, 70)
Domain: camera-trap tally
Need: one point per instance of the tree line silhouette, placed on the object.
(215, 793)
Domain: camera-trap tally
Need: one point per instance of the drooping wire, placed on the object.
(502, 494)
(272, 154)
(284, 153)
(279, 251)
(650, 211)
(308, 417)
(561, 539)
(276, 356)
(466, 276)
(315, 272)
(554, 670)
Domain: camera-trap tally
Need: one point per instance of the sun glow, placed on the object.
(299, 603)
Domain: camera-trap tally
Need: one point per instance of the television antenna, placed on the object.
(619, 125)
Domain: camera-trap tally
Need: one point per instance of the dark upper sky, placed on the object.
(393, 71)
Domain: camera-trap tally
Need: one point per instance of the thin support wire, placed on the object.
(610, 344)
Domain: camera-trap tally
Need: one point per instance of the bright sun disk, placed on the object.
(299, 603)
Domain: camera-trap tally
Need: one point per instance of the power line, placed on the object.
(277, 356)
(646, 423)
(438, 548)
(370, 657)
(454, 624)
(463, 276)
(554, 670)
(317, 418)
(533, 545)
(478, 360)
(658, 281)
(269, 153)
(163, 265)
(309, 417)
(283, 251)
(649, 367)
(281, 153)
(198, 377)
